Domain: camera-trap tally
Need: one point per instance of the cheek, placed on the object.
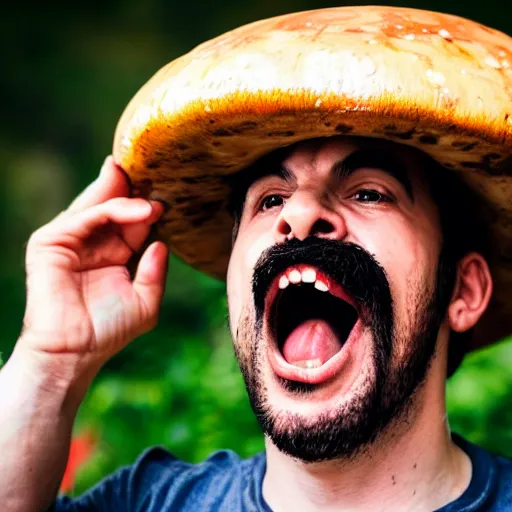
(247, 249)
(409, 254)
(234, 293)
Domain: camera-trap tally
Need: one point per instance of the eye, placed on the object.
(371, 196)
(271, 201)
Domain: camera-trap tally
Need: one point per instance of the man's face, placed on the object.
(332, 290)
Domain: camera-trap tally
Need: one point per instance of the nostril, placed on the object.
(322, 226)
(284, 228)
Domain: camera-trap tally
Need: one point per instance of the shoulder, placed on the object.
(158, 465)
(503, 483)
(159, 481)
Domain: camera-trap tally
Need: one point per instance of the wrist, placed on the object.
(58, 379)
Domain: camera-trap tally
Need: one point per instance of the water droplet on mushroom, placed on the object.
(318, 103)
(445, 34)
(399, 27)
(491, 61)
(308, 24)
(409, 37)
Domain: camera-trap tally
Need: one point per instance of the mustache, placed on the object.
(351, 266)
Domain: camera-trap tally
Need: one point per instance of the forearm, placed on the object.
(37, 408)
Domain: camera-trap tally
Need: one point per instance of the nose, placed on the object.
(305, 214)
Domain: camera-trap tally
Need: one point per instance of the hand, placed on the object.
(81, 300)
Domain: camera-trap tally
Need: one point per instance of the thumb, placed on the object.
(150, 278)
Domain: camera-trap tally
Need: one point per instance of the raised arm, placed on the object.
(82, 308)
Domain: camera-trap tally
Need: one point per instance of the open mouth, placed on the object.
(310, 318)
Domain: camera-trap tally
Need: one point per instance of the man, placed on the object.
(356, 267)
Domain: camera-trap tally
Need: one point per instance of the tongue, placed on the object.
(311, 344)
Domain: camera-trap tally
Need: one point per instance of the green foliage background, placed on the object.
(68, 72)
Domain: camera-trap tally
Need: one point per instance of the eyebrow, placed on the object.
(375, 159)
(272, 165)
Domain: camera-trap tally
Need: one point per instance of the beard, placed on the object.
(399, 357)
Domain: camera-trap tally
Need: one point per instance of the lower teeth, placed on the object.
(308, 363)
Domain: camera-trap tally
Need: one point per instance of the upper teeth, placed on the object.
(295, 277)
(307, 275)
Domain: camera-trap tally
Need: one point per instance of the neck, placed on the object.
(414, 466)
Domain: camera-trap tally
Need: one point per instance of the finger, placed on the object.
(150, 278)
(119, 211)
(112, 182)
(136, 234)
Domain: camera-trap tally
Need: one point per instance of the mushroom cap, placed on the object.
(434, 81)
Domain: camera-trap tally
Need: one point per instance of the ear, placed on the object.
(472, 293)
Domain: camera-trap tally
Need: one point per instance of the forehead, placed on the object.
(321, 153)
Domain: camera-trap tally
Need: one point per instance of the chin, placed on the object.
(289, 399)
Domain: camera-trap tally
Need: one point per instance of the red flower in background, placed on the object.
(81, 448)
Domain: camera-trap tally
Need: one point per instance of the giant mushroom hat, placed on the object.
(434, 81)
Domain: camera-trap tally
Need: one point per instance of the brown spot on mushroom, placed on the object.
(343, 128)
(246, 125)
(211, 208)
(236, 129)
(192, 181)
(195, 157)
(287, 133)
(464, 145)
(222, 132)
(429, 138)
(402, 135)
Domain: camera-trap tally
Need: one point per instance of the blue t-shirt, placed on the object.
(159, 482)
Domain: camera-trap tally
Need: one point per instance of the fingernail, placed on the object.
(145, 206)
